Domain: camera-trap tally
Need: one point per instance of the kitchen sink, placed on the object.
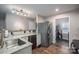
(20, 42)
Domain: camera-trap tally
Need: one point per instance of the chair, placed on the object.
(75, 45)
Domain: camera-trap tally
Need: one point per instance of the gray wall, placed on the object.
(14, 22)
(41, 19)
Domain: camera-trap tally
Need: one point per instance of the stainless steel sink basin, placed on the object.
(12, 43)
(20, 42)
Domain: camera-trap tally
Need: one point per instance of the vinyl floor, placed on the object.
(60, 47)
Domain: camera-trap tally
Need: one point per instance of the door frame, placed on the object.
(54, 36)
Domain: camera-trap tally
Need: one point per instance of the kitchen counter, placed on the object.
(18, 36)
(16, 48)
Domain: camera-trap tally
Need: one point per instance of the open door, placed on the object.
(62, 31)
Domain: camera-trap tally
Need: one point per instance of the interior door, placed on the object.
(43, 30)
(63, 26)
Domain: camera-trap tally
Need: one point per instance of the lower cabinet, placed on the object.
(32, 39)
(26, 50)
(38, 40)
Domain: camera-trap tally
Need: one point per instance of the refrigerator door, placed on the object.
(43, 27)
(43, 30)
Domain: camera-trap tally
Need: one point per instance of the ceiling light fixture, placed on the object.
(21, 12)
(56, 9)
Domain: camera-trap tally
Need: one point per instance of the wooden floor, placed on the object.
(59, 48)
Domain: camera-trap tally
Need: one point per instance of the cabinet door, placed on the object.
(26, 50)
(29, 38)
(32, 39)
(38, 39)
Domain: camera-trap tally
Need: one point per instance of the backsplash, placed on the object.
(14, 22)
(21, 32)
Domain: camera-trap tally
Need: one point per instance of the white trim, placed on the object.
(55, 28)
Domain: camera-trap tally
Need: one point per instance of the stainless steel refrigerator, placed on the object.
(45, 31)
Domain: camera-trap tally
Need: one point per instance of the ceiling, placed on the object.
(41, 9)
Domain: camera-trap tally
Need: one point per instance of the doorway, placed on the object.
(62, 31)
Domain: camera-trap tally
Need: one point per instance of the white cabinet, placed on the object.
(26, 50)
(38, 39)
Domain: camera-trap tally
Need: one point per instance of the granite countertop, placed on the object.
(17, 47)
(18, 36)
(14, 49)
